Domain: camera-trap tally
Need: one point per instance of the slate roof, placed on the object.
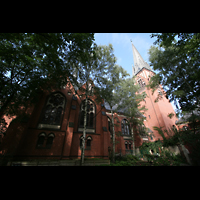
(107, 106)
(139, 62)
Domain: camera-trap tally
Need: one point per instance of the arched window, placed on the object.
(88, 143)
(126, 145)
(129, 144)
(81, 140)
(90, 121)
(53, 111)
(41, 138)
(125, 127)
(50, 140)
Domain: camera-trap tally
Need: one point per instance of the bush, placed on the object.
(132, 157)
(168, 159)
(128, 160)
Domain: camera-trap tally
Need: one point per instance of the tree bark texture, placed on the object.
(113, 154)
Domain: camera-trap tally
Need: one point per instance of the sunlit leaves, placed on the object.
(178, 63)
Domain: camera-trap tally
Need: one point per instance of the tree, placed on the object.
(110, 78)
(110, 95)
(178, 65)
(100, 71)
(86, 69)
(31, 62)
(180, 138)
(130, 104)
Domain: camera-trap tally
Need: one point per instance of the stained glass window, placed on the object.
(90, 114)
(54, 110)
(125, 127)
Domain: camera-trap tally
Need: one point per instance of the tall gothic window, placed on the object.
(53, 111)
(125, 127)
(90, 122)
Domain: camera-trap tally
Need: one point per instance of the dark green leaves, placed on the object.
(178, 63)
(34, 61)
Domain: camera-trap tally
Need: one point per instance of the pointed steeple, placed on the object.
(139, 63)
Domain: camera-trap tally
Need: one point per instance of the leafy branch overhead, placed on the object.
(177, 60)
(130, 101)
(31, 61)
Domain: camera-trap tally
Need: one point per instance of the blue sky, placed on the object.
(122, 46)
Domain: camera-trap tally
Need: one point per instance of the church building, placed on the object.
(158, 110)
(53, 129)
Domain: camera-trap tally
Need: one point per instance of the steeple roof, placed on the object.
(139, 63)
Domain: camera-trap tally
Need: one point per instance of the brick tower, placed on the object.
(158, 111)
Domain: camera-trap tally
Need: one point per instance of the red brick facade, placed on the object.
(22, 140)
(157, 113)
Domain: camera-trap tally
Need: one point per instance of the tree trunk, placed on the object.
(113, 154)
(133, 141)
(84, 129)
(185, 151)
(185, 154)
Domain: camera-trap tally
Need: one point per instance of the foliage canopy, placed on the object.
(178, 65)
(31, 61)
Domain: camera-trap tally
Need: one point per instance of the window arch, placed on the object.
(41, 138)
(87, 142)
(50, 139)
(53, 111)
(125, 127)
(81, 139)
(90, 122)
(128, 145)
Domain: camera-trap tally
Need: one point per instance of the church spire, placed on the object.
(139, 63)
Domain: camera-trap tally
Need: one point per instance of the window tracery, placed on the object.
(125, 127)
(90, 122)
(53, 112)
